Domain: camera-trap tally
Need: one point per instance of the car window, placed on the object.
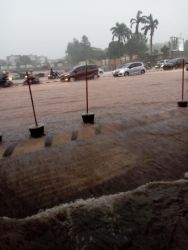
(80, 69)
(137, 64)
(132, 65)
(92, 67)
(127, 65)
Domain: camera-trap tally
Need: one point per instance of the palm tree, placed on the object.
(151, 25)
(122, 32)
(139, 19)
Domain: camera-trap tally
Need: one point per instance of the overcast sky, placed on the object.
(44, 27)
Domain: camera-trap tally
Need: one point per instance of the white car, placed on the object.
(130, 69)
(161, 63)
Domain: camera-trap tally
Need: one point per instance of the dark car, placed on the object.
(79, 73)
(173, 64)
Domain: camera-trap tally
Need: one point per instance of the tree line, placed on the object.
(124, 41)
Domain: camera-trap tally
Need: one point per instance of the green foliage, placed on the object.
(82, 51)
(155, 52)
(115, 49)
(98, 54)
(123, 41)
(165, 50)
(85, 48)
(150, 26)
(137, 21)
(121, 32)
(74, 51)
(137, 45)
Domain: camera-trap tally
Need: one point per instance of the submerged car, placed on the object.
(79, 73)
(173, 64)
(160, 64)
(130, 69)
(168, 65)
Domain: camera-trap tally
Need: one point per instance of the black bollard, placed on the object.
(36, 130)
(182, 103)
(87, 117)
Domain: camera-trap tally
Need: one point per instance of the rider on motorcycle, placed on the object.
(30, 78)
(5, 80)
(53, 74)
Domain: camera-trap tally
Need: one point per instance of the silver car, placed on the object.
(130, 69)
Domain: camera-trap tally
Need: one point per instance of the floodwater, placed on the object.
(139, 135)
(59, 105)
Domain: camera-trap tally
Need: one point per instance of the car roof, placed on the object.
(127, 64)
(77, 66)
(132, 63)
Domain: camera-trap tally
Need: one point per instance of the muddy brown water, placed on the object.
(139, 135)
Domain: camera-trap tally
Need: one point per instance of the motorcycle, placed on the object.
(54, 75)
(5, 80)
(31, 78)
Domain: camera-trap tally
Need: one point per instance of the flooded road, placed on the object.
(139, 136)
(59, 105)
